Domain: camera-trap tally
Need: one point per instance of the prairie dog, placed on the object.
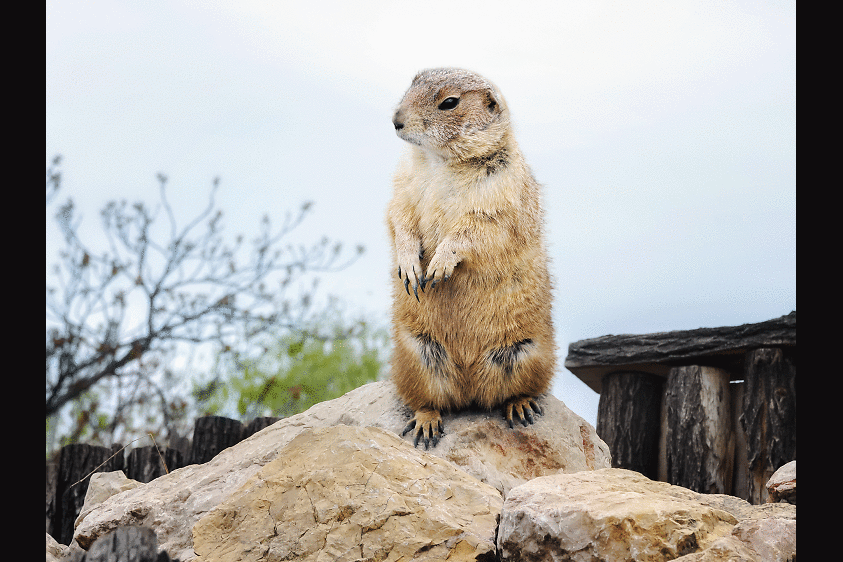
(471, 315)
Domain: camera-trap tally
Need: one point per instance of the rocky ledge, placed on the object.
(338, 483)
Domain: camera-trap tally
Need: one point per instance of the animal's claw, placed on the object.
(415, 281)
(408, 427)
(426, 426)
(525, 408)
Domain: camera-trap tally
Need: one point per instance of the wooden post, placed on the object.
(740, 478)
(662, 473)
(179, 443)
(52, 477)
(628, 420)
(75, 462)
(768, 416)
(212, 434)
(144, 463)
(257, 424)
(698, 434)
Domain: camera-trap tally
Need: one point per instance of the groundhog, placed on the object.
(471, 316)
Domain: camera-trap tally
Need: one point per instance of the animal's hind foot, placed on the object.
(427, 425)
(524, 407)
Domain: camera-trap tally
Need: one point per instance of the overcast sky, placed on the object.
(663, 132)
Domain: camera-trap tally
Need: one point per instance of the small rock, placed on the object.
(771, 539)
(124, 544)
(782, 484)
(54, 549)
(102, 486)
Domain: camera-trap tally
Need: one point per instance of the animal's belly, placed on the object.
(471, 318)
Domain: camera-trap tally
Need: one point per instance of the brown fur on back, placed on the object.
(466, 216)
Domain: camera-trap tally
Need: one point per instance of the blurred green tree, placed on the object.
(297, 370)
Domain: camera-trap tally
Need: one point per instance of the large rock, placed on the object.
(350, 493)
(619, 515)
(483, 445)
(480, 443)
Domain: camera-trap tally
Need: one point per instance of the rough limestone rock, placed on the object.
(351, 493)
(102, 486)
(480, 443)
(782, 484)
(619, 515)
(54, 549)
(772, 539)
(124, 544)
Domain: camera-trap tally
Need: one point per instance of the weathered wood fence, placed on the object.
(211, 435)
(713, 409)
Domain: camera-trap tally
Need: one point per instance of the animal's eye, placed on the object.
(449, 103)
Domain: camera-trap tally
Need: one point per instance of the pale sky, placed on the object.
(663, 132)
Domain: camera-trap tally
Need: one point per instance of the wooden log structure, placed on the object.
(257, 424)
(656, 353)
(628, 420)
(52, 474)
(212, 434)
(726, 404)
(75, 463)
(145, 464)
(768, 416)
(699, 442)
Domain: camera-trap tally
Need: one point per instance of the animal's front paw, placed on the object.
(410, 272)
(428, 425)
(525, 407)
(441, 265)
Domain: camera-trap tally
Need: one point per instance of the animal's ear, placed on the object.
(492, 104)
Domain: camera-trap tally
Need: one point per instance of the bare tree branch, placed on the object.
(145, 292)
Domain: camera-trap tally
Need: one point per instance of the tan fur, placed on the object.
(466, 225)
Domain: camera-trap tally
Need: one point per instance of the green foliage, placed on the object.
(298, 370)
